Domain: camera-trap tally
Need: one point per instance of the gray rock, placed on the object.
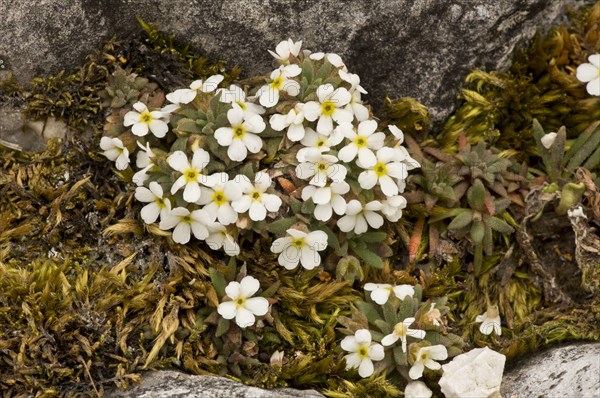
(570, 371)
(171, 384)
(417, 48)
(19, 134)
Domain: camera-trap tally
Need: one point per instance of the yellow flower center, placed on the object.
(400, 329)
(298, 243)
(276, 83)
(146, 117)
(241, 104)
(320, 143)
(240, 302)
(186, 219)
(363, 352)
(239, 132)
(219, 197)
(380, 169)
(360, 142)
(327, 108)
(322, 166)
(191, 175)
(256, 195)
(424, 356)
(160, 202)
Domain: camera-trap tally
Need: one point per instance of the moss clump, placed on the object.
(499, 107)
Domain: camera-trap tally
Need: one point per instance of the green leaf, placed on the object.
(188, 126)
(500, 225)
(477, 231)
(280, 226)
(584, 151)
(222, 327)
(373, 237)
(370, 258)
(476, 195)
(308, 207)
(323, 72)
(461, 220)
(582, 139)
(332, 239)
(218, 281)
(180, 144)
(307, 69)
(389, 313)
(369, 310)
(383, 326)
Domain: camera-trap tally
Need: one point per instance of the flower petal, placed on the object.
(244, 318)
(366, 368)
(227, 310)
(248, 286)
(376, 352)
(257, 305)
(349, 344)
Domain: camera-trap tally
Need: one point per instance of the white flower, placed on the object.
(362, 352)
(353, 79)
(144, 120)
(548, 139)
(401, 331)
(321, 143)
(590, 74)
(327, 199)
(356, 106)
(219, 238)
(300, 247)
(417, 389)
(241, 136)
(380, 292)
(359, 219)
(434, 315)
(490, 321)
(392, 207)
(363, 141)
(293, 121)
(280, 81)
(144, 162)
(157, 205)
(237, 98)
(332, 58)
(243, 307)
(185, 222)
(187, 95)
(383, 171)
(330, 108)
(254, 198)
(190, 173)
(217, 196)
(286, 48)
(402, 153)
(319, 168)
(425, 358)
(115, 150)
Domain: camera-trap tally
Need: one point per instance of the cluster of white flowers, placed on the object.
(329, 129)
(200, 171)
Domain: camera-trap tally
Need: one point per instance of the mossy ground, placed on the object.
(90, 297)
